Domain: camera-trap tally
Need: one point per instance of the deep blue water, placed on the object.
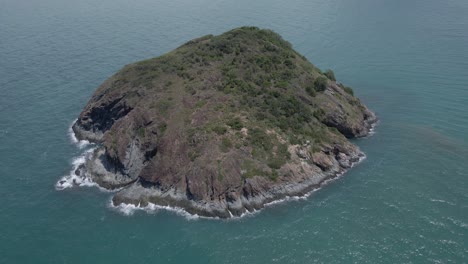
(406, 203)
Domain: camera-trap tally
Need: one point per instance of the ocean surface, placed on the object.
(406, 203)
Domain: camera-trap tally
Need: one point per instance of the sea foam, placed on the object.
(81, 144)
(372, 129)
(130, 209)
(72, 179)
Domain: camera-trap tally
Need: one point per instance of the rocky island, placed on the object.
(221, 126)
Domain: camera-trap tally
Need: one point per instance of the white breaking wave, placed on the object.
(372, 129)
(130, 209)
(79, 143)
(72, 179)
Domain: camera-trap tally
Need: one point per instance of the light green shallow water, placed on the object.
(406, 203)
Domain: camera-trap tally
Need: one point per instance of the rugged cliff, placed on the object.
(221, 126)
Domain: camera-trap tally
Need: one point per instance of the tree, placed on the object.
(321, 83)
(348, 90)
(330, 75)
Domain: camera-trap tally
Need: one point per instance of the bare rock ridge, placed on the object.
(221, 126)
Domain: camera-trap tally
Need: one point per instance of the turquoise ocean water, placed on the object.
(406, 203)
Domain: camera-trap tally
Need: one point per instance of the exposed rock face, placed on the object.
(220, 126)
(343, 116)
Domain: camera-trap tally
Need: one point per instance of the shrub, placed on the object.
(273, 175)
(330, 75)
(200, 103)
(321, 84)
(220, 130)
(319, 114)
(311, 91)
(289, 63)
(282, 84)
(284, 152)
(141, 132)
(163, 106)
(193, 155)
(162, 127)
(226, 145)
(349, 90)
(260, 139)
(281, 157)
(275, 163)
(235, 123)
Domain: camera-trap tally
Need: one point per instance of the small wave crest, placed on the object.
(458, 223)
(441, 201)
(3, 132)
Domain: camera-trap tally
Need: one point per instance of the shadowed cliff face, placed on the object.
(221, 126)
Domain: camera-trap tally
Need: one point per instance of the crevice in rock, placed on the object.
(104, 116)
(111, 164)
(151, 153)
(188, 192)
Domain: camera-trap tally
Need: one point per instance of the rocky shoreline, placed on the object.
(129, 208)
(154, 197)
(142, 194)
